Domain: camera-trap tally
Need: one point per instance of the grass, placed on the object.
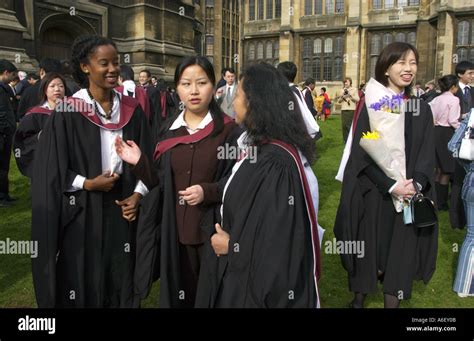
(16, 288)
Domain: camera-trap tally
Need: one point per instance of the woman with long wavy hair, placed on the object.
(265, 251)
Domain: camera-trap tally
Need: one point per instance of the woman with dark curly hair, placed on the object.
(265, 252)
(84, 199)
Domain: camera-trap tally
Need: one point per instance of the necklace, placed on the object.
(109, 114)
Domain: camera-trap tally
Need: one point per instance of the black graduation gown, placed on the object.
(157, 233)
(164, 97)
(82, 238)
(366, 214)
(270, 261)
(26, 138)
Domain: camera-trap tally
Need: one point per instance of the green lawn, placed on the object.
(16, 289)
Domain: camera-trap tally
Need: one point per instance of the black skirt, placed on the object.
(444, 158)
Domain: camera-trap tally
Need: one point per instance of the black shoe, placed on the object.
(353, 305)
(444, 207)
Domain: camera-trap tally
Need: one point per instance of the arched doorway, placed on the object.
(57, 33)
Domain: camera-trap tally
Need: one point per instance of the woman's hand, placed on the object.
(220, 241)
(130, 206)
(193, 195)
(404, 189)
(128, 152)
(103, 183)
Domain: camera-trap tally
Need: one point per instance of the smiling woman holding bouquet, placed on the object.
(374, 194)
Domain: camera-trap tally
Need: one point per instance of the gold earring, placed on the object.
(87, 71)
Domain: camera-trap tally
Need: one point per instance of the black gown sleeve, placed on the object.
(25, 142)
(378, 177)
(145, 172)
(48, 183)
(425, 163)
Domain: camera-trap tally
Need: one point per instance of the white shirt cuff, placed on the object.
(77, 184)
(392, 188)
(141, 188)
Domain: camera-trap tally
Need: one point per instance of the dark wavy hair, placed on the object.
(48, 78)
(273, 112)
(82, 48)
(389, 56)
(214, 108)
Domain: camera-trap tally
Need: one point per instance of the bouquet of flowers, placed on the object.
(386, 143)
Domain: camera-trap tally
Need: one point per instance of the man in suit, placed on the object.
(8, 72)
(289, 71)
(222, 81)
(144, 79)
(465, 73)
(308, 95)
(225, 95)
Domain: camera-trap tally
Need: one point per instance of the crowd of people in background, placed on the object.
(128, 188)
(21, 92)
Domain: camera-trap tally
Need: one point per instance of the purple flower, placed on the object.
(388, 104)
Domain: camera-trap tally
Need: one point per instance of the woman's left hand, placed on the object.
(220, 241)
(193, 195)
(130, 206)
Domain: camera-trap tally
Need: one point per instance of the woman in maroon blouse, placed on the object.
(187, 153)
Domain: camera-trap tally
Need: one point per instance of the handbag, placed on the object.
(422, 209)
(327, 105)
(466, 151)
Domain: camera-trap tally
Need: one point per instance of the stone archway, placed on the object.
(57, 33)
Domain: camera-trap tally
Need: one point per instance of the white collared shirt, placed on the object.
(111, 162)
(180, 122)
(129, 86)
(312, 126)
(242, 143)
(46, 105)
(462, 86)
(227, 87)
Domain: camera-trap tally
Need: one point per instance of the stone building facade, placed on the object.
(152, 34)
(333, 39)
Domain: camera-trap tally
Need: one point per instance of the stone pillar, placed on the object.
(286, 31)
(445, 46)
(352, 57)
(426, 46)
(218, 48)
(11, 37)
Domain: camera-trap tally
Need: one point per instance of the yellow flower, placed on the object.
(371, 135)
